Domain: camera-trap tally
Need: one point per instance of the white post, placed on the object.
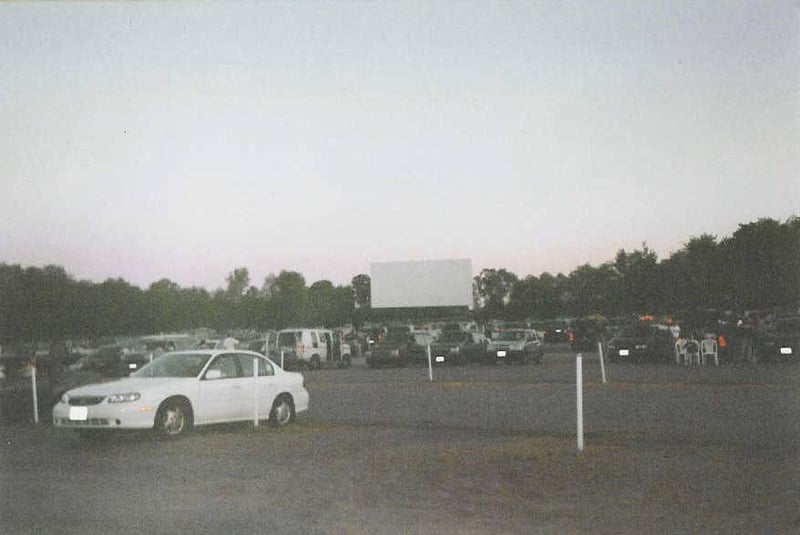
(35, 393)
(602, 361)
(430, 363)
(579, 381)
(255, 391)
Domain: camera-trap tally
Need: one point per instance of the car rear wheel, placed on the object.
(282, 412)
(174, 419)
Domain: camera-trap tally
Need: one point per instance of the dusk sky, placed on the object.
(155, 140)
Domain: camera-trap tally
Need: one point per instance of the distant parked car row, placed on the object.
(457, 347)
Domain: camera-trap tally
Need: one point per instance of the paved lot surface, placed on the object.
(478, 450)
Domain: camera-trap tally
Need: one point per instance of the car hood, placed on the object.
(511, 344)
(386, 346)
(629, 340)
(445, 345)
(129, 384)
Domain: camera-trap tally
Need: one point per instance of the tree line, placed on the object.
(757, 267)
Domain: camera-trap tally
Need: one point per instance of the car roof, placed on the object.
(212, 352)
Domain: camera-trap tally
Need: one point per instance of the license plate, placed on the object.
(786, 351)
(79, 413)
(624, 352)
(440, 359)
(501, 353)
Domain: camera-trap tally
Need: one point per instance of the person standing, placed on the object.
(229, 342)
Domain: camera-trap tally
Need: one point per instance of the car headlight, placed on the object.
(641, 346)
(455, 349)
(395, 352)
(124, 398)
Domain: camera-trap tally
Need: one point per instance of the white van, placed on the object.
(312, 349)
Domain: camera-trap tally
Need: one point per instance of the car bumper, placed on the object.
(301, 401)
(783, 351)
(500, 355)
(385, 360)
(104, 416)
(627, 353)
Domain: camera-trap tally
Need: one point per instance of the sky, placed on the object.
(183, 140)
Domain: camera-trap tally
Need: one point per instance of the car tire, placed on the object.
(173, 419)
(282, 412)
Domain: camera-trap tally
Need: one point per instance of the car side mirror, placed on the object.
(214, 374)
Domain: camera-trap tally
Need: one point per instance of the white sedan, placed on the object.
(186, 388)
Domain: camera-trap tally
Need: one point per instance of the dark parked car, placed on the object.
(396, 349)
(16, 384)
(782, 342)
(642, 341)
(585, 333)
(107, 361)
(556, 334)
(458, 347)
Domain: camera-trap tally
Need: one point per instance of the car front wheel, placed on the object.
(174, 419)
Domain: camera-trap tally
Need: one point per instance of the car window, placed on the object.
(265, 368)
(246, 365)
(226, 364)
(287, 339)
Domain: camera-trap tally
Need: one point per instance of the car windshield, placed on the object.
(788, 325)
(511, 336)
(287, 339)
(396, 338)
(637, 330)
(452, 337)
(175, 365)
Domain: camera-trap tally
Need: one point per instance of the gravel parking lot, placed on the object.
(478, 450)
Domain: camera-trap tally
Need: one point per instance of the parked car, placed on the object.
(515, 345)
(16, 384)
(458, 347)
(782, 341)
(396, 349)
(642, 340)
(312, 349)
(107, 361)
(186, 388)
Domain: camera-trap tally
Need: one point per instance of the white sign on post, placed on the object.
(602, 361)
(35, 394)
(579, 401)
(255, 391)
(430, 363)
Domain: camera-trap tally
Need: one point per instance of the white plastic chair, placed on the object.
(692, 352)
(708, 348)
(680, 351)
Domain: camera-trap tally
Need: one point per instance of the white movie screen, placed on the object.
(429, 283)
